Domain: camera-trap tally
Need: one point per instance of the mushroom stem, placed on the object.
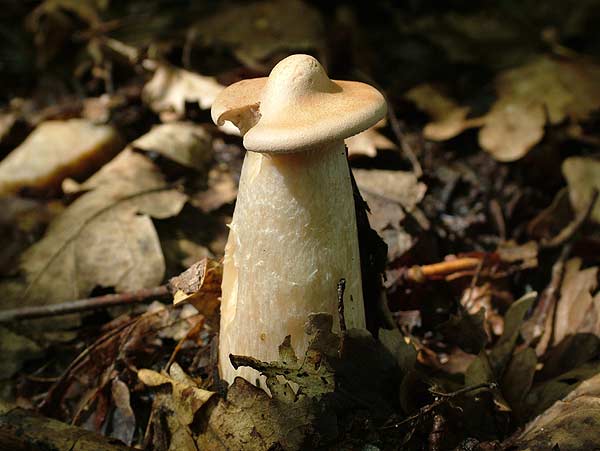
(293, 237)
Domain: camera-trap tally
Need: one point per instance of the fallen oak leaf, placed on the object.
(188, 398)
(106, 237)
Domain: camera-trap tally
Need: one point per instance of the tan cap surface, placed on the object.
(297, 107)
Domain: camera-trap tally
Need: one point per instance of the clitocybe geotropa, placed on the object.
(293, 235)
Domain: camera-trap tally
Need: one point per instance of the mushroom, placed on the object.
(293, 234)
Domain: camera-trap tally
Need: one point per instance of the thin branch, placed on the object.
(408, 151)
(442, 399)
(81, 305)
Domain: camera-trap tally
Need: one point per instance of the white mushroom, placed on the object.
(293, 235)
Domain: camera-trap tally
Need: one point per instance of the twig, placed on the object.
(573, 227)
(397, 128)
(81, 305)
(442, 399)
(421, 273)
(341, 287)
(401, 138)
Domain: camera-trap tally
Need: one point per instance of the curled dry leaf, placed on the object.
(367, 142)
(56, 150)
(258, 30)
(578, 310)
(105, 238)
(583, 177)
(183, 142)
(199, 285)
(171, 87)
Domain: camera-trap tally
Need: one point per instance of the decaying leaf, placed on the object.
(336, 372)
(171, 87)
(123, 416)
(583, 177)
(258, 30)
(56, 150)
(578, 310)
(571, 424)
(106, 237)
(367, 142)
(250, 420)
(187, 396)
(183, 142)
(199, 285)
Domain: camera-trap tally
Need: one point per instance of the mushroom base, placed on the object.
(292, 238)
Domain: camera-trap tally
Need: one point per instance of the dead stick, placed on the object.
(420, 273)
(81, 305)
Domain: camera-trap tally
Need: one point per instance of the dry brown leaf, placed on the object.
(56, 150)
(449, 118)
(390, 194)
(258, 30)
(174, 411)
(576, 306)
(546, 89)
(105, 238)
(123, 418)
(367, 142)
(171, 87)
(396, 186)
(571, 424)
(200, 286)
(187, 396)
(183, 142)
(583, 177)
(512, 129)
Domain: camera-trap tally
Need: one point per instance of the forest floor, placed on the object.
(116, 189)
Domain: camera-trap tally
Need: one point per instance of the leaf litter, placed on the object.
(494, 214)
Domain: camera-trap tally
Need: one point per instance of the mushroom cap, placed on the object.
(297, 107)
